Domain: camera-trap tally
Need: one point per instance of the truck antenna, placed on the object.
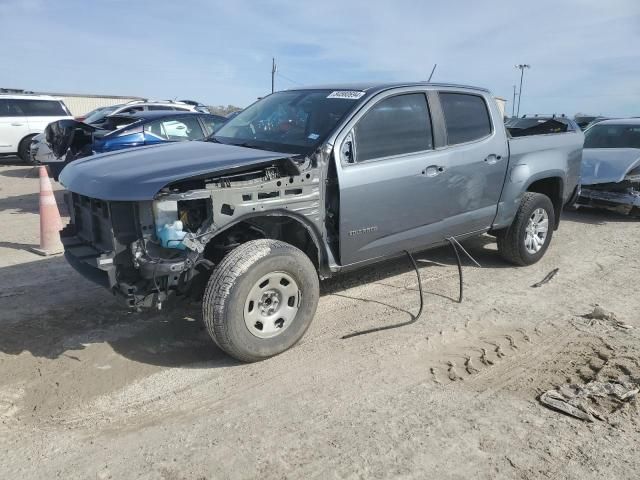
(432, 70)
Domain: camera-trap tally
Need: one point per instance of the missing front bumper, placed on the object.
(624, 202)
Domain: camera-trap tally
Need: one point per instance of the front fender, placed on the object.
(325, 258)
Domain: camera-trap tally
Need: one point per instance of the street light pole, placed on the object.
(513, 104)
(521, 67)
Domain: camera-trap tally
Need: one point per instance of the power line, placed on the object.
(289, 79)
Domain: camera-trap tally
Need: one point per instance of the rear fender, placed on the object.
(518, 181)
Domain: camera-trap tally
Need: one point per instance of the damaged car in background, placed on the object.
(305, 184)
(611, 166)
(70, 140)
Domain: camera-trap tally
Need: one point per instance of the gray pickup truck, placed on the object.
(305, 184)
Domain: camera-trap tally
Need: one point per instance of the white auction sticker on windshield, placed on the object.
(346, 94)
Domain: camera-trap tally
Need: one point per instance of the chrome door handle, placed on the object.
(17, 124)
(492, 159)
(433, 170)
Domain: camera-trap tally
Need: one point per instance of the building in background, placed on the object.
(77, 103)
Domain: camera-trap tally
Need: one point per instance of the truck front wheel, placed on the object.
(260, 299)
(528, 237)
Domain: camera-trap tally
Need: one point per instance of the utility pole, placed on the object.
(521, 67)
(513, 105)
(274, 69)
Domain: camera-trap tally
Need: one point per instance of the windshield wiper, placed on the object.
(212, 138)
(247, 145)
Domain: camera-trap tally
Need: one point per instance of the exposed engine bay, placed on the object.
(170, 245)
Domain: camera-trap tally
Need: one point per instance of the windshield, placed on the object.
(99, 115)
(532, 122)
(584, 120)
(612, 136)
(289, 122)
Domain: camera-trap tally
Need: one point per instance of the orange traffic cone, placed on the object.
(50, 221)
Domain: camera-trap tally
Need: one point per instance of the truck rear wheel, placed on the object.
(528, 237)
(260, 299)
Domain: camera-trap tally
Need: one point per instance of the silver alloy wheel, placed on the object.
(536, 231)
(272, 305)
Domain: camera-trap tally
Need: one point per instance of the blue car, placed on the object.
(151, 128)
(70, 140)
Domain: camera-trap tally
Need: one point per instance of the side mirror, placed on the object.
(347, 150)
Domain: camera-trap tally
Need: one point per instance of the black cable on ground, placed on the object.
(455, 250)
(413, 320)
(546, 279)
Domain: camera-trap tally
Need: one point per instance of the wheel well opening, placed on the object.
(25, 142)
(552, 188)
(274, 227)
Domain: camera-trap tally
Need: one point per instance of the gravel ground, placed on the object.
(89, 390)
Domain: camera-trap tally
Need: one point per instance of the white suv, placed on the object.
(24, 116)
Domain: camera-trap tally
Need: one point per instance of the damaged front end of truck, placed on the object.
(611, 180)
(147, 247)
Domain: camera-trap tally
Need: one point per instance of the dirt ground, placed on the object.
(89, 390)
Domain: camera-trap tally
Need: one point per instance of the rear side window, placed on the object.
(131, 110)
(42, 108)
(10, 108)
(466, 117)
(160, 107)
(394, 126)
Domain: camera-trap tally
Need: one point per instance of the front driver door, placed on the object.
(390, 177)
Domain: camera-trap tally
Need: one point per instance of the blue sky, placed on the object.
(584, 53)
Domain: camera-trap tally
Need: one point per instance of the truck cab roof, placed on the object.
(372, 88)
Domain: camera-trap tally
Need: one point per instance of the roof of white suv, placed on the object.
(100, 115)
(158, 102)
(138, 103)
(14, 96)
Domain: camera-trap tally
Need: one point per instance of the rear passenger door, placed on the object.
(13, 125)
(476, 163)
(391, 195)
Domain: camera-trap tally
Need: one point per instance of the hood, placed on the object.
(138, 174)
(608, 165)
(61, 135)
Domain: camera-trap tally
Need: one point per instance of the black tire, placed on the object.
(24, 149)
(511, 241)
(223, 304)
